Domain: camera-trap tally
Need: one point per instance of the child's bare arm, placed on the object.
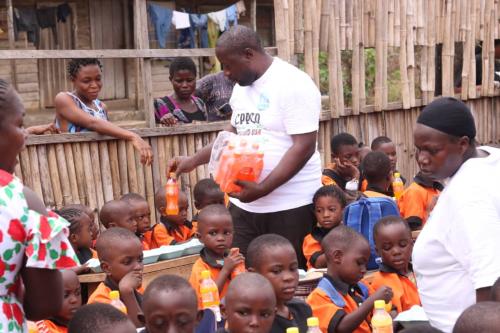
(127, 286)
(230, 263)
(352, 320)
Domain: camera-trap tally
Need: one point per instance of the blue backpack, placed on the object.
(362, 215)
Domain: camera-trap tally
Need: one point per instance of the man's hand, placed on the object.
(180, 164)
(250, 191)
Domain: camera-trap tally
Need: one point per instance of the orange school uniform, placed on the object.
(207, 262)
(101, 294)
(375, 192)
(333, 299)
(47, 326)
(311, 247)
(166, 233)
(415, 200)
(330, 177)
(404, 289)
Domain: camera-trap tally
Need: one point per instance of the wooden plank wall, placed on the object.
(90, 169)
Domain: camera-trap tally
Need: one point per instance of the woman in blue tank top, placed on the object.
(81, 111)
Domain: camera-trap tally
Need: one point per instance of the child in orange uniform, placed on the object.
(394, 244)
(215, 231)
(206, 192)
(172, 229)
(329, 203)
(416, 200)
(117, 213)
(377, 172)
(141, 214)
(250, 305)
(274, 257)
(72, 301)
(120, 254)
(341, 302)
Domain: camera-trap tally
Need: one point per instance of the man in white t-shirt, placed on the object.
(281, 104)
(456, 257)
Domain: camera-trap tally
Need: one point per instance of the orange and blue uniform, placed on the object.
(311, 247)
(415, 200)
(333, 299)
(207, 262)
(405, 293)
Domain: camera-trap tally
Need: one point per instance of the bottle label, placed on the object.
(383, 329)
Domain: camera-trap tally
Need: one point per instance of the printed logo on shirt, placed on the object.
(263, 103)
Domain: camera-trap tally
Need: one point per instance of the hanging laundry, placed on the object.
(63, 11)
(186, 38)
(47, 18)
(219, 18)
(25, 20)
(240, 8)
(199, 22)
(161, 17)
(213, 35)
(180, 20)
(231, 16)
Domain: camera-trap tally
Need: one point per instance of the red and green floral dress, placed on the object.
(25, 233)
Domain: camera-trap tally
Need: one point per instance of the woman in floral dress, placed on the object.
(33, 242)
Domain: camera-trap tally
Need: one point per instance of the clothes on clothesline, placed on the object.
(188, 24)
(31, 20)
(181, 20)
(161, 17)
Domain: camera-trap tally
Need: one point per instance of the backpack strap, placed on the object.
(332, 293)
(374, 214)
(354, 215)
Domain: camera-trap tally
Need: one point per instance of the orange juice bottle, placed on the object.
(233, 169)
(397, 186)
(224, 163)
(381, 320)
(172, 195)
(210, 294)
(114, 295)
(240, 268)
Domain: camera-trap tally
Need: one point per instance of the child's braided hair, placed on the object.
(75, 64)
(72, 215)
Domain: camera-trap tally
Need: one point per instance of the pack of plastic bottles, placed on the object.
(236, 158)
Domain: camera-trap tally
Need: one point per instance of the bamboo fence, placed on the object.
(91, 169)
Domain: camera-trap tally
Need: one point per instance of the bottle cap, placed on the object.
(172, 175)
(397, 175)
(114, 294)
(255, 146)
(205, 274)
(292, 330)
(312, 322)
(380, 304)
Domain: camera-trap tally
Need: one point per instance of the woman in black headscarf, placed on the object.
(456, 255)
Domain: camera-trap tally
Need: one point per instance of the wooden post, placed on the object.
(142, 42)
(281, 28)
(12, 45)
(298, 26)
(253, 14)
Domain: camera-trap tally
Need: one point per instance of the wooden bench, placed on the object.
(179, 266)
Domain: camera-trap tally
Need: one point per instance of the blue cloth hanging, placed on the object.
(161, 17)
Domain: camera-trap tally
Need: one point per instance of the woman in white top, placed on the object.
(81, 111)
(457, 255)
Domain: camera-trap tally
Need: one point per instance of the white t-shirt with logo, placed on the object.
(284, 101)
(458, 250)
